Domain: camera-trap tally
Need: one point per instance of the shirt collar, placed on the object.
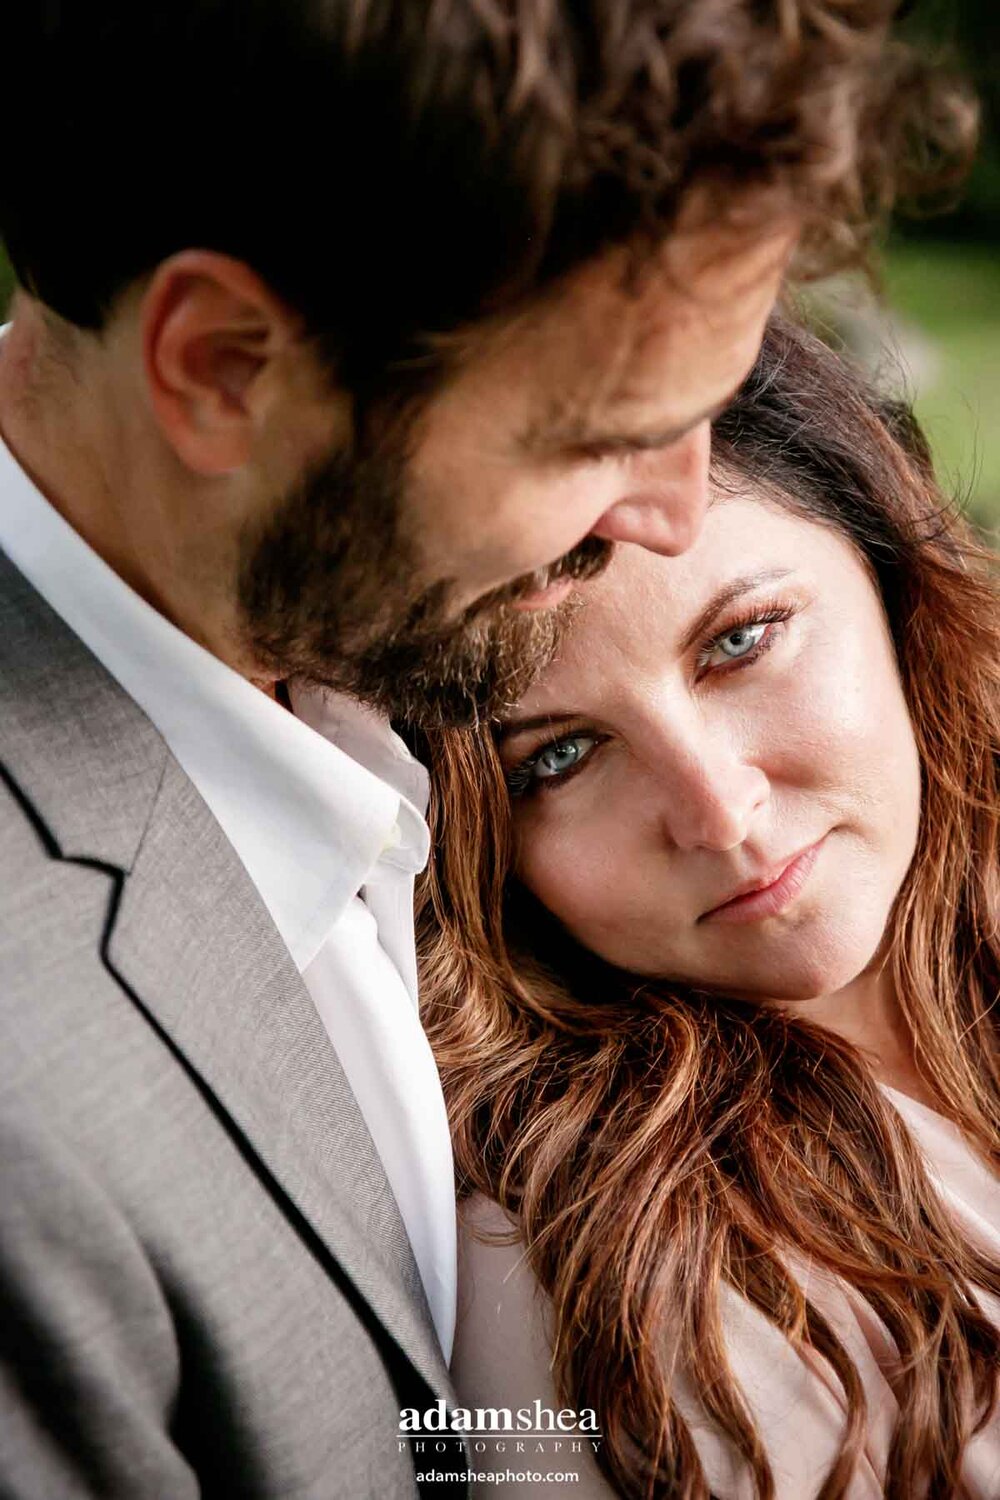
(311, 801)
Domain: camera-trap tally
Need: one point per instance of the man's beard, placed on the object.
(330, 590)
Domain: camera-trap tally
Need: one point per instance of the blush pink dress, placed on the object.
(502, 1359)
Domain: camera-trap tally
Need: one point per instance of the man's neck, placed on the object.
(97, 463)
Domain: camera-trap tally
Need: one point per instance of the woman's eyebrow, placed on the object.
(729, 592)
(508, 728)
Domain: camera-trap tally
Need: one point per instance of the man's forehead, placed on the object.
(634, 411)
(642, 370)
(601, 389)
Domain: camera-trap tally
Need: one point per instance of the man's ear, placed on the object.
(211, 330)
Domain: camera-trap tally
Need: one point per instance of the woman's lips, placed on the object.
(771, 899)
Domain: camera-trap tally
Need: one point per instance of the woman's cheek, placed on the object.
(869, 722)
(848, 735)
(826, 713)
(572, 861)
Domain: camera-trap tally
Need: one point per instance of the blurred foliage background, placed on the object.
(934, 332)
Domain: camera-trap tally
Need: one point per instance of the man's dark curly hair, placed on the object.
(397, 169)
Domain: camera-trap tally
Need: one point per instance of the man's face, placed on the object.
(425, 579)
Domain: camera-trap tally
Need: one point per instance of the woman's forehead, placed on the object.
(640, 589)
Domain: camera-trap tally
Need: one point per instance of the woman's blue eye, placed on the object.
(738, 642)
(557, 759)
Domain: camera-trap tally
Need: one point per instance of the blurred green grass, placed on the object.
(951, 294)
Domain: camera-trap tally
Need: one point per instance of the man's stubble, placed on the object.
(330, 589)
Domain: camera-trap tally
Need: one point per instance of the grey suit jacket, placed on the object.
(205, 1284)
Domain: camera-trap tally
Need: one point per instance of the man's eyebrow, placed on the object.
(729, 592)
(581, 438)
(508, 728)
(575, 433)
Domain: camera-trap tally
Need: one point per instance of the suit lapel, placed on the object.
(194, 944)
(196, 948)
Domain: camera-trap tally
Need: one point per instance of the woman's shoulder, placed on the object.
(480, 1215)
(502, 1361)
(970, 1189)
(503, 1357)
(493, 1271)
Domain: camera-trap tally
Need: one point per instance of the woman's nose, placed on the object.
(710, 795)
(667, 497)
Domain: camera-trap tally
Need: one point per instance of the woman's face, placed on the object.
(717, 781)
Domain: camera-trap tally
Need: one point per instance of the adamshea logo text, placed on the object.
(536, 1420)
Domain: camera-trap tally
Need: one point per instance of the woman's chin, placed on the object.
(812, 982)
(814, 962)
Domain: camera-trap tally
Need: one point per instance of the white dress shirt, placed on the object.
(325, 808)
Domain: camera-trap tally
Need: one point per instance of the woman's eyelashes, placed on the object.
(555, 762)
(741, 643)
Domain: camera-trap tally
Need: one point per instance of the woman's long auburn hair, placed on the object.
(654, 1142)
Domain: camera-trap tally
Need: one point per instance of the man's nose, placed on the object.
(666, 499)
(710, 797)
